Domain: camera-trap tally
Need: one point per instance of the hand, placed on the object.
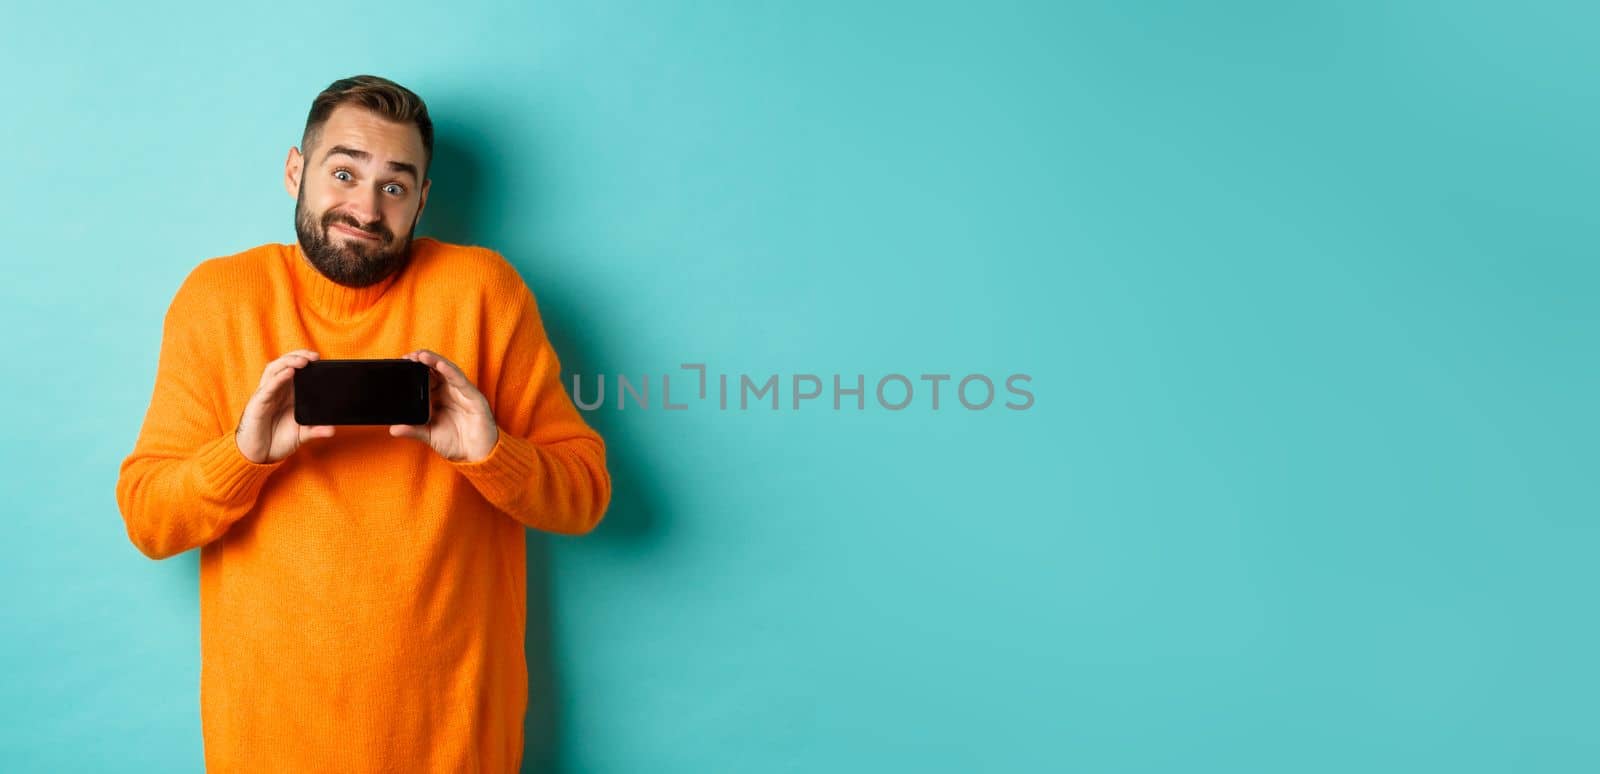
(267, 432)
(462, 427)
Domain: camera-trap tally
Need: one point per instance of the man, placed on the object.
(362, 592)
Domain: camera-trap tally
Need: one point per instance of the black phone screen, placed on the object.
(362, 392)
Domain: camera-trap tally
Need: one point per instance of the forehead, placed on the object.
(356, 127)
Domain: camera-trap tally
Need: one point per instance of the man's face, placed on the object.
(357, 196)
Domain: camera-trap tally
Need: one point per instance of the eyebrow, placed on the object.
(361, 155)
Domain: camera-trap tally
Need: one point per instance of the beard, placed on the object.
(350, 261)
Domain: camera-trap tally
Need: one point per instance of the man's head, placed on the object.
(360, 178)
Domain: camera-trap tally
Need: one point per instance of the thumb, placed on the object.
(307, 432)
(407, 431)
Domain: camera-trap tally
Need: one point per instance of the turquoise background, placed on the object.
(1307, 295)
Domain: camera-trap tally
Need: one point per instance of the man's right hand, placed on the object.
(267, 432)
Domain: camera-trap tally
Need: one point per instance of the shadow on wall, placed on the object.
(455, 202)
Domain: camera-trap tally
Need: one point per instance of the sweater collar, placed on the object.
(329, 297)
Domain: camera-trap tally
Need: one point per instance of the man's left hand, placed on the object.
(462, 427)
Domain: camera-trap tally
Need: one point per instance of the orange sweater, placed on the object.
(362, 601)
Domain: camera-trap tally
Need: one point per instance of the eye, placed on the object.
(339, 172)
(398, 189)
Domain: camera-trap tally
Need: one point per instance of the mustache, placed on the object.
(378, 229)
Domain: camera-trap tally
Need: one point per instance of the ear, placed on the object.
(426, 184)
(293, 166)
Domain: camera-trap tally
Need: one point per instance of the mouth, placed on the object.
(341, 228)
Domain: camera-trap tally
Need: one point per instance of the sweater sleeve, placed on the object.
(185, 481)
(548, 468)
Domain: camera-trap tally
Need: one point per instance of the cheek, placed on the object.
(320, 201)
(400, 213)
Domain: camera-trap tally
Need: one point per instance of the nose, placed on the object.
(366, 208)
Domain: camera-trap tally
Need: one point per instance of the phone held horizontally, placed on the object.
(389, 391)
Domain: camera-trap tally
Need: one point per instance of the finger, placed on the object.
(296, 355)
(273, 381)
(290, 361)
(287, 370)
(435, 379)
(447, 369)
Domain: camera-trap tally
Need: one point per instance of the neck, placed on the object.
(331, 298)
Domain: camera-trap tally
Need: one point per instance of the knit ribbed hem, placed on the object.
(505, 471)
(230, 477)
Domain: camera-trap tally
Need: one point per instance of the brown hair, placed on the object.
(380, 95)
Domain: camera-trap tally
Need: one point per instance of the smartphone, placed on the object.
(392, 391)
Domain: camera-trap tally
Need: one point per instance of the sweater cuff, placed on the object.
(506, 471)
(229, 476)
